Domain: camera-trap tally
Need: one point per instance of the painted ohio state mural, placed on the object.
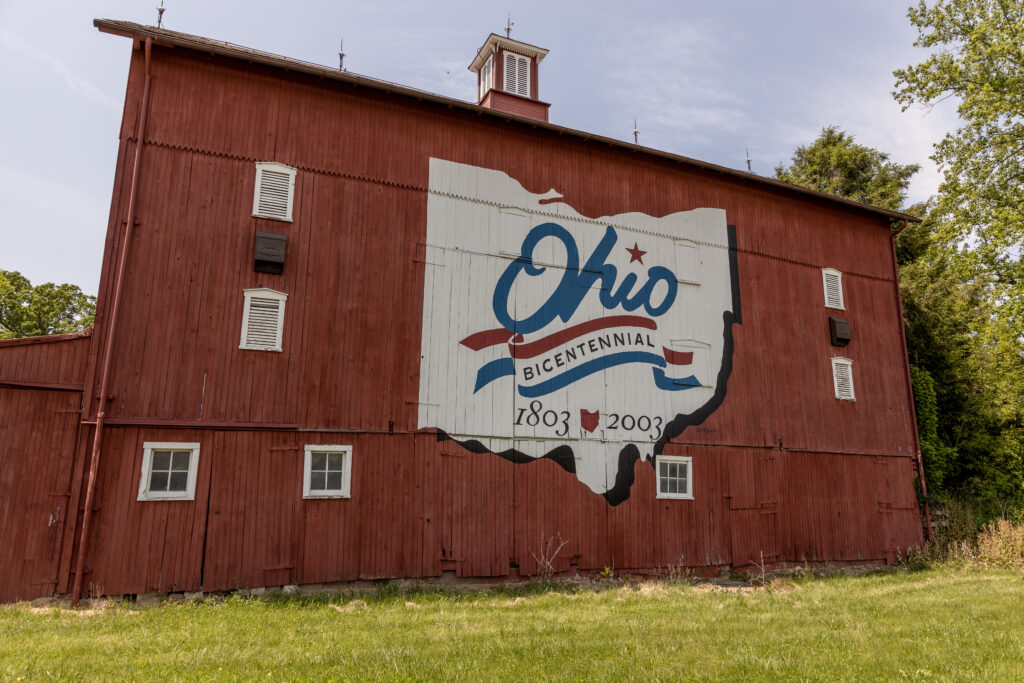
(549, 334)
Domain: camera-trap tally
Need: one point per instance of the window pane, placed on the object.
(672, 486)
(663, 485)
(334, 461)
(317, 481)
(319, 462)
(664, 469)
(179, 481)
(180, 460)
(158, 481)
(161, 460)
(334, 481)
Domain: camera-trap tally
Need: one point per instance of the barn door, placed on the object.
(753, 493)
(898, 514)
(38, 432)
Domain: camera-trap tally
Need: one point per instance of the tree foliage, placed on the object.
(835, 164)
(977, 59)
(27, 311)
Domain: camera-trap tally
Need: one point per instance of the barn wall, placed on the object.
(40, 409)
(419, 508)
(58, 361)
(783, 472)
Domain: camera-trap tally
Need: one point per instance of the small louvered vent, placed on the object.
(485, 78)
(262, 320)
(261, 328)
(275, 189)
(842, 378)
(833, 281)
(517, 74)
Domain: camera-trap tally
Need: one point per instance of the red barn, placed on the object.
(348, 329)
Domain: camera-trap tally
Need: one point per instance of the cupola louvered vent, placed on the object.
(842, 378)
(485, 78)
(517, 74)
(833, 282)
(275, 191)
(263, 320)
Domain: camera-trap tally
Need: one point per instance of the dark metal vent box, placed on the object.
(269, 252)
(839, 330)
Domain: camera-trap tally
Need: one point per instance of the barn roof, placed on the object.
(165, 37)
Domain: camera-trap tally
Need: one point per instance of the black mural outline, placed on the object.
(564, 456)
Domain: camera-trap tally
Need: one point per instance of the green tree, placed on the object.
(835, 164)
(27, 311)
(977, 60)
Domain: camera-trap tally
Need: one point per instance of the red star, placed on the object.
(636, 254)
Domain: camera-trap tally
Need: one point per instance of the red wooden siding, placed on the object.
(478, 516)
(40, 406)
(57, 362)
(782, 471)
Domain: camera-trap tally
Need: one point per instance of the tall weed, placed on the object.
(1001, 544)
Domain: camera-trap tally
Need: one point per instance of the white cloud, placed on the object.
(74, 82)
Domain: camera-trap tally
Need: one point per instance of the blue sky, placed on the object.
(706, 80)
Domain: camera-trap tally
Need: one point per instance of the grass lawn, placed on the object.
(935, 624)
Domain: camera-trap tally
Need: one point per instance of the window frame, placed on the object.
(346, 473)
(262, 293)
(684, 459)
(274, 167)
(848, 363)
(147, 466)
(825, 273)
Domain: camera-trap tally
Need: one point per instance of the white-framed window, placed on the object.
(486, 77)
(675, 478)
(842, 378)
(168, 471)
(262, 319)
(832, 280)
(517, 74)
(327, 472)
(275, 191)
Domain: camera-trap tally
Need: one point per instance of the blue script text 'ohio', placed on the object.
(576, 282)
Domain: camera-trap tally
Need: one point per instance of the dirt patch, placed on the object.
(354, 606)
(85, 612)
(782, 586)
(652, 589)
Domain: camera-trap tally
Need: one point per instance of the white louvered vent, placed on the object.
(263, 320)
(842, 378)
(517, 74)
(275, 191)
(833, 282)
(485, 77)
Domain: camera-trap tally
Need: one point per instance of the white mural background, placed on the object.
(477, 221)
